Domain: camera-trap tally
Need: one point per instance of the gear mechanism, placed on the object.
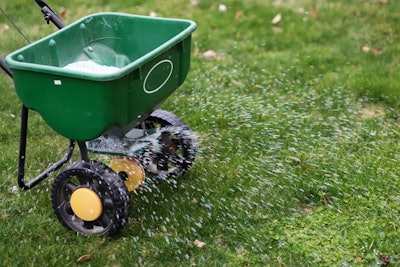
(130, 170)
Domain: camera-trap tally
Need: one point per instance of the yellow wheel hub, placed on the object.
(130, 169)
(86, 204)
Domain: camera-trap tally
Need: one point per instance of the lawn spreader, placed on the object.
(99, 82)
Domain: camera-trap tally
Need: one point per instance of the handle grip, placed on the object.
(49, 14)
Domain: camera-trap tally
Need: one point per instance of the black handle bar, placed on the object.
(49, 14)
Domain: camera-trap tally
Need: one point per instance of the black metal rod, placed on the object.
(22, 146)
(22, 156)
(83, 150)
(49, 14)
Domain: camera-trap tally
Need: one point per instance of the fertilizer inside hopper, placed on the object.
(90, 66)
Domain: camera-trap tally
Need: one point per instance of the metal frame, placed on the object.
(49, 15)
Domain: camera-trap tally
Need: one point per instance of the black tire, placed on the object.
(176, 151)
(108, 186)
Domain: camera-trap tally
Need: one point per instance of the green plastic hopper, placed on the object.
(150, 59)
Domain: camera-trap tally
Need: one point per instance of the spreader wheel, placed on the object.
(176, 151)
(173, 156)
(90, 198)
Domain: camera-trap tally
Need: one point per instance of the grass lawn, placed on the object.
(296, 108)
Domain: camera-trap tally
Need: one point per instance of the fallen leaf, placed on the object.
(4, 27)
(358, 260)
(371, 112)
(196, 50)
(194, 2)
(374, 50)
(210, 54)
(384, 2)
(63, 13)
(385, 259)
(308, 209)
(238, 15)
(199, 243)
(240, 252)
(237, 83)
(83, 258)
(314, 12)
(301, 10)
(276, 29)
(276, 19)
(280, 261)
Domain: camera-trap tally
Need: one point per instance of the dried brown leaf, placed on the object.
(238, 14)
(277, 19)
(358, 260)
(63, 13)
(373, 50)
(276, 29)
(314, 12)
(308, 209)
(4, 27)
(237, 83)
(371, 112)
(196, 50)
(384, 2)
(301, 10)
(199, 243)
(83, 258)
(385, 259)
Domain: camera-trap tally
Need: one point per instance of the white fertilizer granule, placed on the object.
(89, 66)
